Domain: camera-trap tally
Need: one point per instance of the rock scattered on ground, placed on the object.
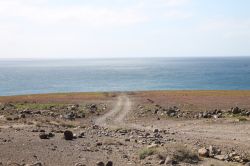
(216, 153)
(68, 135)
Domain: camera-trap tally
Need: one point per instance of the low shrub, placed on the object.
(147, 152)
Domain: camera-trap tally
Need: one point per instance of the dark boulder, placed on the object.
(44, 135)
(100, 163)
(109, 163)
(235, 110)
(68, 135)
(93, 108)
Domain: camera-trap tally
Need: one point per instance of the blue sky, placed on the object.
(123, 28)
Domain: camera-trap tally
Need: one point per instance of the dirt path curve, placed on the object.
(116, 116)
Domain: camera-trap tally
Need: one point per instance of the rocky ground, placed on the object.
(143, 128)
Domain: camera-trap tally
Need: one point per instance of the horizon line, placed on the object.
(137, 57)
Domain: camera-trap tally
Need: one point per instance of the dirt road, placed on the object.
(116, 116)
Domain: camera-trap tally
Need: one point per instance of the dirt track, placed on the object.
(115, 117)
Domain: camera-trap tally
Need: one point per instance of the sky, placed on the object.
(124, 28)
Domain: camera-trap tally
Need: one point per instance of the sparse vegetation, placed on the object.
(147, 152)
(185, 154)
(38, 106)
(56, 97)
(68, 125)
(242, 119)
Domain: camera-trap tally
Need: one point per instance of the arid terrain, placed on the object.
(210, 128)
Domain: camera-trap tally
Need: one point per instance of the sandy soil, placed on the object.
(123, 128)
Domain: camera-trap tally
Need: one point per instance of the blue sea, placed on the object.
(89, 75)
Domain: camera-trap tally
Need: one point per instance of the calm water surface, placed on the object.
(46, 76)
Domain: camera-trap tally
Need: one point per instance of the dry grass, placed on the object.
(112, 141)
(242, 119)
(145, 152)
(185, 154)
(58, 97)
(177, 152)
(38, 106)
(199, 100)
(244, 93)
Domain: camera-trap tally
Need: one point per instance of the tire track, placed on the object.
(116, 116)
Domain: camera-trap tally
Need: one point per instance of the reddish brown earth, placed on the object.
(122, 128)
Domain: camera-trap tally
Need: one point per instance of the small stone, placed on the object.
(152, 146)
(170, 161)
(81, 135)
(99, 144)
(125, 156)
(213, 151)
(22, 116)
(247, 164)
(236, 110)
(44, 136)
(100, 163)
(70, 116)
(220, 157)
(161, 162)
(203, 152)
(127, 139)
(109, 163)
(156, 130)
(68, 135)
(80, 164)
(8, 118)
(232, 154)
(93, 108)
(74, 136)
(237, 158)
(51, 135)
(16, 118)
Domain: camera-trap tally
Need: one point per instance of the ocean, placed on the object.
(19, 77)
